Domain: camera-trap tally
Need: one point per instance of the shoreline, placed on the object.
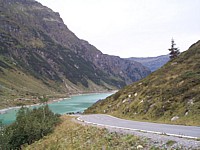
(113, 91)
(4, 110)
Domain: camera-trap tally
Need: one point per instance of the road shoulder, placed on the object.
(156, 139)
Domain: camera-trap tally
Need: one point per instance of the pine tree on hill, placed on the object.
(174, 52)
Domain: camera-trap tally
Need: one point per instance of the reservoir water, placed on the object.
(76, 103)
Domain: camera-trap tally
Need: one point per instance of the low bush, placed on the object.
(30, 126)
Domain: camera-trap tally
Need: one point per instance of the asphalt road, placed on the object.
(173, 130)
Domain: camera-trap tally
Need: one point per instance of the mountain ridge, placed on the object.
(38, 46)
(153, 63)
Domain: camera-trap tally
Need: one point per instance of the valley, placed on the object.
(58, 91)
(40, 56)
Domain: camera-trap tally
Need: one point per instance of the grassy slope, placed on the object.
(15, 84)
(173, 90)
(71, 135)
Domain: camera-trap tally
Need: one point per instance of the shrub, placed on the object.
(116, 95)
(30, 126)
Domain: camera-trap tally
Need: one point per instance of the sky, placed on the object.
(131, 28)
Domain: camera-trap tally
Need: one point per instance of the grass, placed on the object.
(71, 135)
(15, 84)
(170, 143)
(173, 90)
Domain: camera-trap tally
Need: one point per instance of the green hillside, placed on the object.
(169, 95)
(18, 87)
(74, 136)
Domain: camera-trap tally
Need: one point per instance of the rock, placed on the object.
(186, 113)
(129, 95)
(135, 94)
(191, 102)
(118, 105)
(124, 101)
(141, 101)
(175, 118)
(140, 147)
(152, 105)
(174, 63)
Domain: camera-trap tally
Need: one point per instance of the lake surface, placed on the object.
(74, 104)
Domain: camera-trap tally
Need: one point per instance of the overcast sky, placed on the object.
(131, 28)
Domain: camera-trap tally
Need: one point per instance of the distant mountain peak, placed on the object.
(153, 63)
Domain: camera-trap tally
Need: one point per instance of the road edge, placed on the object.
(139, 130)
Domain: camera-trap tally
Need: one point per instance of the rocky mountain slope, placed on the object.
(169, 95)
(153, 63)
(39, 55)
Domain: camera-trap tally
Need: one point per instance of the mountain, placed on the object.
(168, 95)
(153, 63)
(39, 55)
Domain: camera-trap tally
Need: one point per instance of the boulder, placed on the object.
(175, 118)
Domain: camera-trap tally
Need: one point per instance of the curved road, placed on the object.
(173, 130)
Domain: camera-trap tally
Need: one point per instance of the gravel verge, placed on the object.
(154, 140)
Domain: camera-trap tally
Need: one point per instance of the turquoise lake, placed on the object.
(73, 104)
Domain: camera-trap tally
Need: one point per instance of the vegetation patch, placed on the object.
(172, 91)
(170, 143)
(30, 126)
(72, 135)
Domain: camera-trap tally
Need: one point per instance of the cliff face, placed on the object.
(35, 42)
(129, 71)
(169, 95)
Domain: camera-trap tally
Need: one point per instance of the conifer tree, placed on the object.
(174, 52)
